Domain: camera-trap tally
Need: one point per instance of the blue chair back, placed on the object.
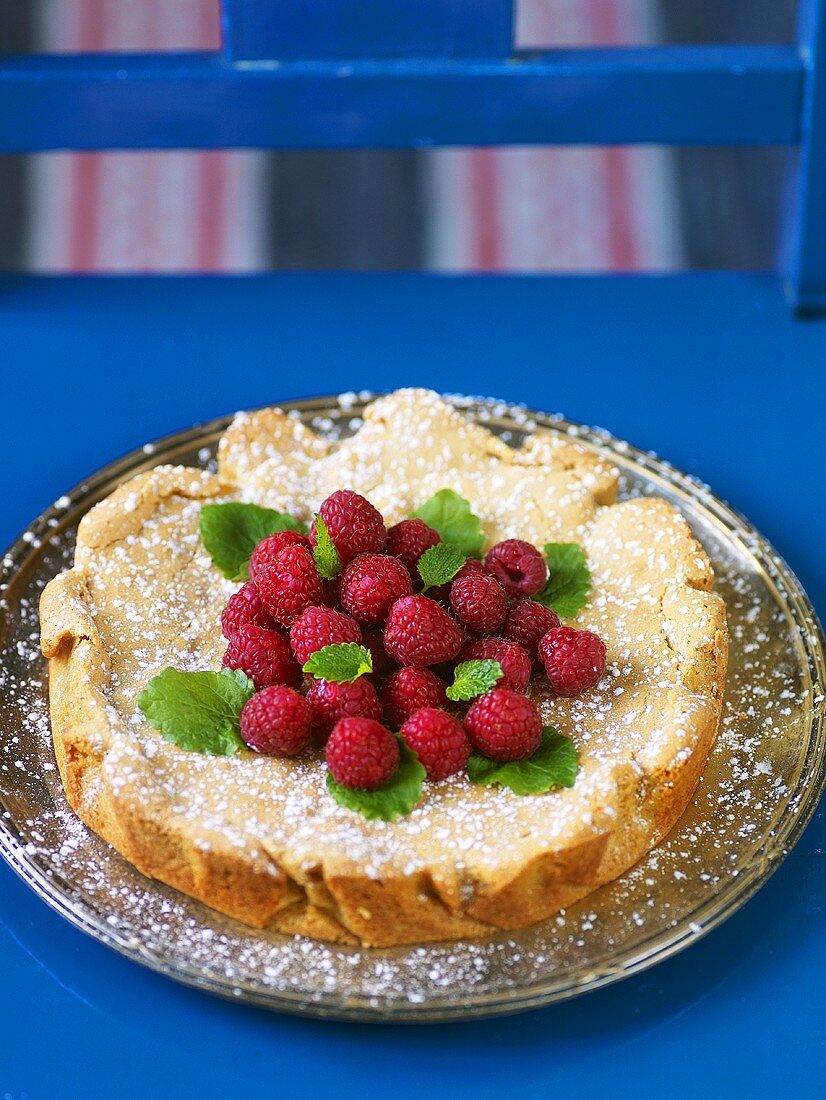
(415, 73)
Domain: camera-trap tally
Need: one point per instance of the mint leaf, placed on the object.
(342, 662)
(230, 532)
(395, 799)
(440, 563)
(569, 583)
(198, 710)
(451, 516)
(554, 764)
(472, 678)
(325, 555)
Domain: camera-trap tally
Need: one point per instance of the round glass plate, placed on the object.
(760, 787)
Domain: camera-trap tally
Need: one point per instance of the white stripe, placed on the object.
(48, 241)
(448, 237)
(247, 212)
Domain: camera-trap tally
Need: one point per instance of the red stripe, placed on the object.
(86, 200)
(147, 179)
(212, 185)
(85, 175)
(485, 214)
(621, 239)
(212, 172)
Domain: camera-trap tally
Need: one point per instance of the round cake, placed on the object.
(258, 837)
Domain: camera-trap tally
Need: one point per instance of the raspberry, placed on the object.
(515, 662)
(408, 540)
(362, 753)
(264, 655)
(420, 632)
(573, 659)
(526, 622)
(408, 690)
(471, 567)
(370, 584)
(518, 566)
(382, 665)
(317, 627)
(331, 702)
(504, 725)
(289, 584)
(277, 720)
(439, 740)
(479, 601)
(355, 526)
(267, 548)
(244, 606)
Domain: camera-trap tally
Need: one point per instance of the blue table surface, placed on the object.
(710, 371)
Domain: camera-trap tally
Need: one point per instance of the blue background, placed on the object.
(710, 371)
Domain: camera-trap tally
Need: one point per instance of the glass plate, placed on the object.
(759, 789)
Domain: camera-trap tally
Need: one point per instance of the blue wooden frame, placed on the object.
(291, 29)
(804, 262)
(359, 73)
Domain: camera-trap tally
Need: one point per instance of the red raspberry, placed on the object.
(267, 548)
(382, 665)
(504, 725)
(515, 662)
(420, 632)
(362, 753)
(317, 627)
(573, 659)
(264, 655)
(370, 584)
(526, 622)
(471, 567)
(479, 601)
(277, 720)
(244, 606)
(518, 566)
(290, 583)
(408, 690)
(408, 540)
(355, 526)
(331, 702)
(439, 740)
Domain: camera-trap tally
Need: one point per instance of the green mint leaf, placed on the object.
(230, 532)
(395, 799)
(342, 662)
(199, 711)
(554, 764)
(325, 555)
(569, 582)
(472, 678)
(440, 563)
(451, 516)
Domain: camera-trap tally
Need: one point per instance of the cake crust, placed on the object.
(258, 838)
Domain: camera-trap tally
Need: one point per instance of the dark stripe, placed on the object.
(730, 198)
(359, 210)
(17, 23)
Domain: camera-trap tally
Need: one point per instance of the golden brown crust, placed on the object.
(550, 850)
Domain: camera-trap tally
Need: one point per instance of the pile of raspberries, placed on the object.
(287, 611)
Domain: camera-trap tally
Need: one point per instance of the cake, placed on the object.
(257, 836)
